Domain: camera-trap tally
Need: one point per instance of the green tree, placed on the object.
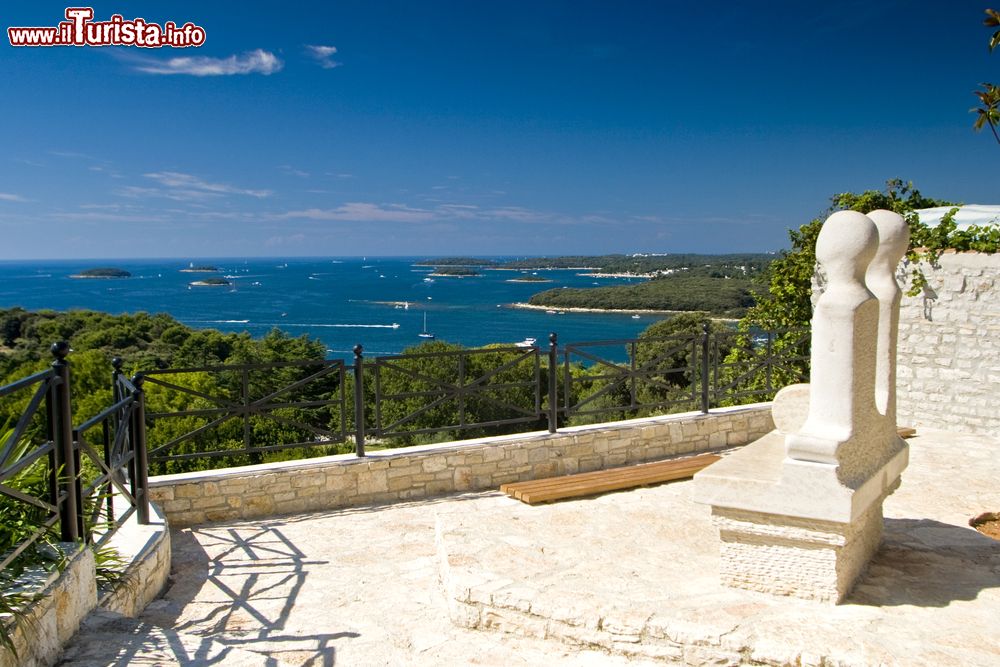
(787, 306)
(988, 111)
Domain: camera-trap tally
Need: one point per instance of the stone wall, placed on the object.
(949, 347)
(472, 465)
(55, 616)
(66, 597)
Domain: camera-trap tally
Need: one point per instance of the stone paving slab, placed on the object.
(637, 573)
(623, 579)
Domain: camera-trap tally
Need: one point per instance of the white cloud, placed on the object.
(364, 212)
(6, 196)
(323, 55)
(257, 61)
(289, 169)
(193, 186)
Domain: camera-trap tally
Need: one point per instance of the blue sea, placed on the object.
(379, 302)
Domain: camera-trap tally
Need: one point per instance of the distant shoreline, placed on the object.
(612, 311)
(541, 268)
(648, 311)
(646, 276)
(522, 280)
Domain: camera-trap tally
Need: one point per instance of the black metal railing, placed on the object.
(113, 471)
(228, 410)
(60, 483)
(660, 374)
(88, 480)
(458, 390)
(408, 398)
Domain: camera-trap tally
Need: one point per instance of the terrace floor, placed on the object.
(627, 578)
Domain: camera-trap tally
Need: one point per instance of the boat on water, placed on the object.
(527, 342)
(635, 317)
(425, 333)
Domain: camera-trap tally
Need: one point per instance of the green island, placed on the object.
(211, 282)
(103, 272)
(203, 268)
(455, 272)
(456, 261)
(722, 285)
(529, 279)
(721, 297)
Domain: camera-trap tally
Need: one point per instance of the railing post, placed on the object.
(359, 401)
(704, 367)
(138, 427)
(116, 396)
(553, 379)
(67, 479)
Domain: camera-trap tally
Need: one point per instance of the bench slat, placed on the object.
(603, 474)
(600, 481)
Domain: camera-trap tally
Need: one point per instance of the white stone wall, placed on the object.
(948, 375)
(472, 465)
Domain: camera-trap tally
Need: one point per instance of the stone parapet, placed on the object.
(472, 465)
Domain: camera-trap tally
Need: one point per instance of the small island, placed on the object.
(203, 268)
(454, 272)
(528, 279)
(103, 272)
(211, 282)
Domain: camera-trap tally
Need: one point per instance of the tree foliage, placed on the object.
(988, 111)
(724, 296)
(788, 301)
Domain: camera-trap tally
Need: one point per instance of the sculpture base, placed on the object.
(790, 527)
(806, 558)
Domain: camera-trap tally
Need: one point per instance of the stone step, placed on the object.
(107, 638)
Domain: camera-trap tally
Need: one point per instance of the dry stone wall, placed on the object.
(472, 465)
(948, 373)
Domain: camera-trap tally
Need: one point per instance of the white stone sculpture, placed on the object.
(800, 510)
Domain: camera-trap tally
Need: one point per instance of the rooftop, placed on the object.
(624, 578)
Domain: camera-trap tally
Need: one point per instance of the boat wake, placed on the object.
(394, 325)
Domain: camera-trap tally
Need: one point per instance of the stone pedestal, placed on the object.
(799, 511)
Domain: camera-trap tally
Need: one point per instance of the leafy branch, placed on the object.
(988, 113)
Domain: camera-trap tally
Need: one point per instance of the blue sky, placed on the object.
(482, 128)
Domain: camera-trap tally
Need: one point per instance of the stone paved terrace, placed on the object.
(627, 578)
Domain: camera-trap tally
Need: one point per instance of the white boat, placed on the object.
(550, 312)
(527, 342)
(425, 333)
(635, 317)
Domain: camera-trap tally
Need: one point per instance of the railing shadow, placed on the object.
(928, 563)
(237, 586)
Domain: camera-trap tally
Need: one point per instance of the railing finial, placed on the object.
(116, 363)
(60, 349)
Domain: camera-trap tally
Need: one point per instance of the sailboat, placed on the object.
(425, 333)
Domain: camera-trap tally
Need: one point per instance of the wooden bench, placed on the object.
(601, 481)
